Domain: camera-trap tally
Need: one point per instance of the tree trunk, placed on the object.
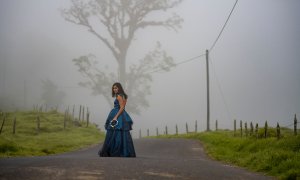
(122, 65)
(122, 72)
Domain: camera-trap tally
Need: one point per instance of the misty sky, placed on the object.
(254, 69)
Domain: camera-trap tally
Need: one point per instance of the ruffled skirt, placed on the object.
(124, 120)
(118, 143)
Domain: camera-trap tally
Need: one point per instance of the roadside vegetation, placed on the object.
(54, 135)
(272, 156)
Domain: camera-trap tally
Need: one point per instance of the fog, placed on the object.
(254, 66)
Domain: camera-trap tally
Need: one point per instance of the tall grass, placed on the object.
(280, 158)
(52, 138)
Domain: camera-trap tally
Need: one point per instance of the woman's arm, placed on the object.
(122, 103)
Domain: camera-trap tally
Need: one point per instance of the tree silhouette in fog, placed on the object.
(51, 95)
(115, 23)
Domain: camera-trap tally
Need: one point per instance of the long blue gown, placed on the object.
(118, 141)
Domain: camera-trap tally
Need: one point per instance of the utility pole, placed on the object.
(207, 86)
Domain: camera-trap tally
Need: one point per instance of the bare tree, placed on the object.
(121, 19)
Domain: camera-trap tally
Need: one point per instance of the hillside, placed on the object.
(56, 134)
(276, 157)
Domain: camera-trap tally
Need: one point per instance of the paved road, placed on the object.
(156, 159)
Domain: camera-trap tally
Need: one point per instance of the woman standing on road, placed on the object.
(118, 141)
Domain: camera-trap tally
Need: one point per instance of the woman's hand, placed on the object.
(113, 123)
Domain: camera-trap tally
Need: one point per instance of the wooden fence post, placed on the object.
(251, 128)
(196, 126)
(70, 118)
(187, 128)
(241, 126)
(266, 129)
(14, 125)
(166, 130)
(140, 134)
(148, 132)
(87, 119)
(278, 131)
(83, 113)
(176, 128)
(73, 112)
(246, 129)
(216, 125)
(38, 124)
(234, 127)
(156, 131)
(295, 125)
(79, 114)
(3, 121)
(256, 130)
(65, 119)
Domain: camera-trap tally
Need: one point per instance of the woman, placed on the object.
(118, 141)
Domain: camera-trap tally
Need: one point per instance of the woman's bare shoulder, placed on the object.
(120, 97)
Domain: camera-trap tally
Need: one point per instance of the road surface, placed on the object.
(156, 159)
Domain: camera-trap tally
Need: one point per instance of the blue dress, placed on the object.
(118, 141)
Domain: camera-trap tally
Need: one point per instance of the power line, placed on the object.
(220, 89)
(181, 62)
(70, 87)
(289, 125)
(188, 60)
(215, 42)
(191, 59)
(223, 27)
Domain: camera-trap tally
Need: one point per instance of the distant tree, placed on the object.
(51, 95)
(115, 23)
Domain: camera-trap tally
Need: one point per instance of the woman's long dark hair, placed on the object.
(121, 90)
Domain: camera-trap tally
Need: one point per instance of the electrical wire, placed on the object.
(211, 48)
(160, 69)
(181, 62)
(223, 27)
(220, 89)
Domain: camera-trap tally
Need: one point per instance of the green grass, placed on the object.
(279, 158)
(52, 138)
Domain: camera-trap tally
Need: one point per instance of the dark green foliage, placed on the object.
(7, 147)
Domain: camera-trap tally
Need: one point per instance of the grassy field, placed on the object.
(279, 158)
(52, 138)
